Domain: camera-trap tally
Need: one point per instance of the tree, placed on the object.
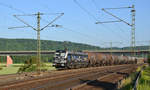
(29, 65)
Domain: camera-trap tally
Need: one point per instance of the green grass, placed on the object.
(127, 84)
(50, 68)
(144, 81)
(15, 67)
(9, 70)
(144, 86)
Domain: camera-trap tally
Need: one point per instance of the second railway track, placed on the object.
(66, 79)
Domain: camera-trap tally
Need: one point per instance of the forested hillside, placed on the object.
(31, 44)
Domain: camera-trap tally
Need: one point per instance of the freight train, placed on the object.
(68, 60)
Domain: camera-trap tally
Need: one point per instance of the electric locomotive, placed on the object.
(69, 60)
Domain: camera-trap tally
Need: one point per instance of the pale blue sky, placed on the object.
(82, 25)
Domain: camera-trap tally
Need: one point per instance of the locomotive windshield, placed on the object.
(60, 53)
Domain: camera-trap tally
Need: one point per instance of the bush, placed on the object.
(30, 66)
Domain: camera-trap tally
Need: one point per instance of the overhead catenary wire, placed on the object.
(76, 2)
(25, 14)
(132, 25)
(18, 10)
(38, 29)
(94, 3)
(116, 34)
(11, 7)
(14, 9)
(104, 9)
(119, 28)
(143, 42)
(83, 34)
(88, 36)
(91, 15)
(115, 16)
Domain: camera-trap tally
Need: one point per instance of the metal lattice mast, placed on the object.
(132, 25)
(38, 42)
(149, 47)
(38, 29)
(133, 31)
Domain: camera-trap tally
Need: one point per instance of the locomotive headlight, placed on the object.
(62, 64)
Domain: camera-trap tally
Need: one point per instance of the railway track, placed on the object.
(65, 79)
(8, 77)
(13, 78)
(106, 82)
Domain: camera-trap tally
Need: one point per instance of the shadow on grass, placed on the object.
(100, 84)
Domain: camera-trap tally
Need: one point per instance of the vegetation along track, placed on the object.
(66, 79)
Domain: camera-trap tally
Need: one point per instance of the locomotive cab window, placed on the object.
(62, 54)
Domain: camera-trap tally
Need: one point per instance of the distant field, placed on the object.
(9, 70)
(13, 65)
(14, 68)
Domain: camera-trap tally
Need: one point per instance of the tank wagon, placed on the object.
(141, 60)
(99, 59)
(69, 60)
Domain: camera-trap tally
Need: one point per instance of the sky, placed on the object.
(78, 21)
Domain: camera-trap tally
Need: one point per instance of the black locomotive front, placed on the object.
(60, 59)
(66, 59)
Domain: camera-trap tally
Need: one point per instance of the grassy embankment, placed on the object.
(12, 69)
(127, 84)
(144, 81)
